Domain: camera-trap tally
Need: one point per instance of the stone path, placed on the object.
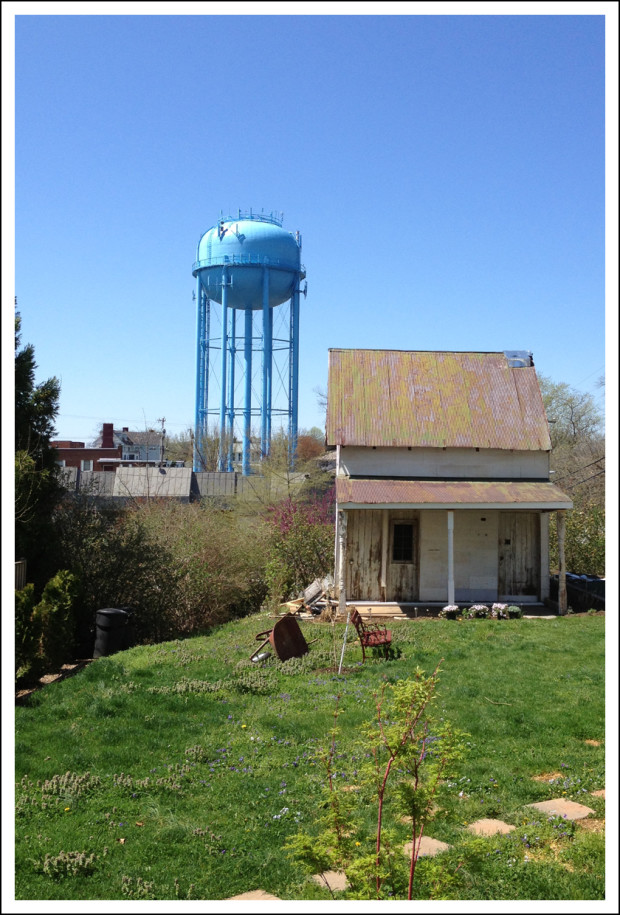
(560, 806)
(490, 827)
(336, 880)
(253, 894)
(428, 847)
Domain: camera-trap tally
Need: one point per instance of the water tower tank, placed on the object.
(245, 246)
(246, 264)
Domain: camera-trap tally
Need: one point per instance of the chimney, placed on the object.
(107, 437)
(125, 428)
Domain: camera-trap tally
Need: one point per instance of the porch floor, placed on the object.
(430, 609)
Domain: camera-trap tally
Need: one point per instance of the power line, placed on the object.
(572, 485)
(579, 469)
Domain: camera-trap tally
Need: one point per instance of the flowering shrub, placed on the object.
(476, 611)
(450, 612)
(499, 612)
(301, 544)
(514, 613)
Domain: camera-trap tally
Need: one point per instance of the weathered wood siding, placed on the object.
(519, 555)
(364, 554)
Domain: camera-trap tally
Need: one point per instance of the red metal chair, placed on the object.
(371, 636)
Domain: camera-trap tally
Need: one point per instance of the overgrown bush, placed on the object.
(584, 542)
(27, 627)
(218, 557)
(56, 619)
(301, 544)
(119, 564)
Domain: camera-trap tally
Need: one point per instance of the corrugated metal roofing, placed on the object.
(441, 492)
(433, 400)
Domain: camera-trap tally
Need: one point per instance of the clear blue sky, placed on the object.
(446, 173)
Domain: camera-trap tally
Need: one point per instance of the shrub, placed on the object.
(56, 616)
(301, 544)
(476, 612)
(27, 628)
(119, 564)
(218, 557)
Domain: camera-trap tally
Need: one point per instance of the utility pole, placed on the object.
(162, 447)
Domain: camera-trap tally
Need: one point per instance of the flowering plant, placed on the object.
(476, 611)
(450, 612)
(499, 612)
(514, 613)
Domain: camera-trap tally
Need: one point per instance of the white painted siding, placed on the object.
(464, 463)
(475, 555)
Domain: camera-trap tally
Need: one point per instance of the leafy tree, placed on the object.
(578, 466)
(37, 486)
(573, 415)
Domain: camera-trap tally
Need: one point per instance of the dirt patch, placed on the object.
(67, 670)
(593, 743)
(592, 825)
(547, 776)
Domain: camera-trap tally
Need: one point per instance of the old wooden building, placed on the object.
(442, 484)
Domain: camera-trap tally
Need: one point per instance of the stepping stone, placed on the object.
(599, 793)
(253, 894)
(490, 827)
(428, 847)
(564, 808)
(336, 880)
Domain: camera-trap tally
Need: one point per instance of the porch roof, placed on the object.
(488, 494)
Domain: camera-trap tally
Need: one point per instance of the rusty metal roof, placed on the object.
(433, 400)
(444, 493)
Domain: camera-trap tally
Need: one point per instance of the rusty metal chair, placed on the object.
(372, 636)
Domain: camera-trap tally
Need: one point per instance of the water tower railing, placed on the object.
(244, 260)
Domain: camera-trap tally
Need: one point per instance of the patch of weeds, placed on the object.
(190, 686)
(67, 864)
(136, 889)
(51, 793)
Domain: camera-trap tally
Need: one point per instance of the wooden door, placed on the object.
(518, 555)
(402, 559)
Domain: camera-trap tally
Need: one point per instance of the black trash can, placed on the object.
(111, 634)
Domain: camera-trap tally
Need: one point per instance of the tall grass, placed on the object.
(180, 770)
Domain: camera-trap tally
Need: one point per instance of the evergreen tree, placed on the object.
(37, 485)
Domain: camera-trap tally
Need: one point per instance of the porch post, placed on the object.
(450, 557)
(384, 552)
(562, 598)
(342, 549)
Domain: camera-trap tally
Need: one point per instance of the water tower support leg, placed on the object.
(267, 359)
(231, 387)
(221, 455)
(294, 378)
(200, 373)
(247, 408)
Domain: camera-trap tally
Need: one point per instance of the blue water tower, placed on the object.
(247, 264)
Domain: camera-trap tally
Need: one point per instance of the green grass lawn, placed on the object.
(179, 770)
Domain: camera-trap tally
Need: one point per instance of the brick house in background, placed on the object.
(102, 455)
(443, 490)
(111, 449)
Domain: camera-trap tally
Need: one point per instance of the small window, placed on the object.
(87, 465)
(402, 543)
